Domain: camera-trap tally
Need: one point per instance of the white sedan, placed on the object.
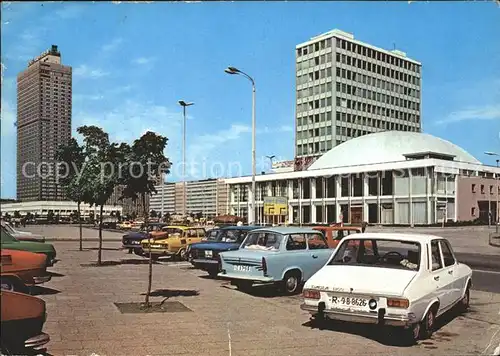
(404, 280)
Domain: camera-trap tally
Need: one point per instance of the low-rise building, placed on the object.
(390, 177)
(61, 208)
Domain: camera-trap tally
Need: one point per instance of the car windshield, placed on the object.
(263, 241)
(6, 237)
(231, 236)
(173, 231)
(378, 253)
(212, 235)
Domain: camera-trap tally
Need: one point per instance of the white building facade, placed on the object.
(61, 208)
(401, 178)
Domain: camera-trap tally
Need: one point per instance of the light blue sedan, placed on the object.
(286, 256)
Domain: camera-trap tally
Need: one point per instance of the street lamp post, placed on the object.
(498, 187)
(251, 210)
(184, 193)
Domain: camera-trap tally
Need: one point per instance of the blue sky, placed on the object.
(133, 62)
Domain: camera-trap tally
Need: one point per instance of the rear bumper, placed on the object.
(134, 246)
(205, 263)
(255, 279)
(37, 342)
(362, 317)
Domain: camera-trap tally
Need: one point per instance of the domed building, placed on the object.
(389, 177)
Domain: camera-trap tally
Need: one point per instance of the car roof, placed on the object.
(284, 230)
(422, 238)
(336, 228)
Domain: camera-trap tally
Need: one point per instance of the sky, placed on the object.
(133, 62)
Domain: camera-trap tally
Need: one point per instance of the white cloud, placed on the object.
(491, 112)
(86, 72)
(70, 11)
(8, 149)
(113, 45)
(144, 60)
(8, 115)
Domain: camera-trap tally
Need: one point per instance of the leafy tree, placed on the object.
(91, 217)
(101, 173)
(199, 215)
(166, 218)
(57, 218)
(71, 164)
(153, 214)
(145, 164)
(29, 216)
(119, 216)
(17, 215)
(50, 216)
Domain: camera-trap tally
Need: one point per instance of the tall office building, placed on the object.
(43, 124)
(346, 88)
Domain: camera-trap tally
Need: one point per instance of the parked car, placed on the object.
(22, 320)
(132, 240)
(22, 235)
(286, 256)
(205, 255)
(137, 225)
(175, 245)
(22, 268)
(335, 233)
(11, 243)
(404, 280)
(124, 225)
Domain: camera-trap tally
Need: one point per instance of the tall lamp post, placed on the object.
(251, 210)
(184, 193)
(498, 187)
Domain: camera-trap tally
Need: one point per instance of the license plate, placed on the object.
(208, 254)
(349, 302)
(241, 268)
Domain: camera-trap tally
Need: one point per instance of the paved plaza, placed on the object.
(83, 319)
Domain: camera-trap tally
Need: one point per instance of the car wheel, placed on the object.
(213, 273)
(465, 302)
(291, 282)
(427, 325)
(412, 334)
(182, 254)
(244, 286)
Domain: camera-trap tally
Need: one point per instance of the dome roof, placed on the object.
(388, 146)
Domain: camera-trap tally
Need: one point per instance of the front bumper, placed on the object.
(255, 279)
(362, 317)
(37, 342)
(134, 246)
(42, 279)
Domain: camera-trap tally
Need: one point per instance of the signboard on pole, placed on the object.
(275, 206)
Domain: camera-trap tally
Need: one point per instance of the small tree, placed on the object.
(167, 217)
(146, 163)
(71, 164)
(153, 214)
(101, 173)
(17, 215)
(119, 216)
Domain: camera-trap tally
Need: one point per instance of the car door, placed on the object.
(318, 251)
(441, 277)
(450, 265)
(297, 255)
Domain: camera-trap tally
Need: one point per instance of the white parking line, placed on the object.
(485, 271)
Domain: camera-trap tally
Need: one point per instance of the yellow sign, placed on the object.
(275, 206)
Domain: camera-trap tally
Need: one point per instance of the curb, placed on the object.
(72, 239)
(494, 239)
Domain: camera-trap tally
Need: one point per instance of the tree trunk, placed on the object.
(150, 272)
(80, 223)
(99, 251)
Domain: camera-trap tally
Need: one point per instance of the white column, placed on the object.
(394, 205)
(313, 188)
(250, 215)
(300, 201)
(365, 194)
(338, 190)
(428, 175)
(455, 194)
(379, 205)
(410, 200)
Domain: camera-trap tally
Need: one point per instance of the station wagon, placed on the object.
(284, 256)
(175, 244)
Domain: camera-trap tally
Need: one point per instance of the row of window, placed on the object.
(378, 55)
(473, 189)
(375, 68)
(316, 61)
(361, 120)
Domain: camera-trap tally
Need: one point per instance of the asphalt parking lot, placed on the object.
(83, 319)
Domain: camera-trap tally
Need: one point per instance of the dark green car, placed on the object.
(10, 242)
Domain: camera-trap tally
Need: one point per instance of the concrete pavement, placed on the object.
(82, 318)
